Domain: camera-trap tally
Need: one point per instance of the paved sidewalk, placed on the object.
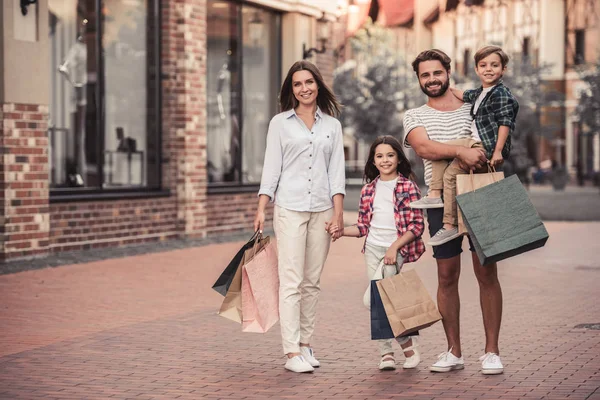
(145, 327)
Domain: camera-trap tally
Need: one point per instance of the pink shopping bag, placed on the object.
(260, 291)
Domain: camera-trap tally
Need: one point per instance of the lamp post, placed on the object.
(323, 32)
(256, 28)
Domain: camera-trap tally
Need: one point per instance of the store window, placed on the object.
(104, 105)
(243, 79)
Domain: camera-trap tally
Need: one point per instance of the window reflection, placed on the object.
(241, 100)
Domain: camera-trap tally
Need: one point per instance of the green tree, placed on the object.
(588, 107)
(372, 87)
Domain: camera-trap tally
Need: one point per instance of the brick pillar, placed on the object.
(184, 110)
(24, 189)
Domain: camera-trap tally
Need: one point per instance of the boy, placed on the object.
(494, 112)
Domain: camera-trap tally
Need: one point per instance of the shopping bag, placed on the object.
(260, 291)
(501, 220)
(382, 271)
(231, 308)
(407, 304)
(468, 182)
(224, 280)
(380, 326)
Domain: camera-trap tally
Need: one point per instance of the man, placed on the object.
(442, 119)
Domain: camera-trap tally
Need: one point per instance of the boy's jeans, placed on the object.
(443, 177)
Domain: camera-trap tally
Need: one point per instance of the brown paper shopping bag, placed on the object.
(408, 305)
(468, 182)
(260, 291)
(231, 308)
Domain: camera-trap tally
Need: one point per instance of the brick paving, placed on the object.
(145, 327)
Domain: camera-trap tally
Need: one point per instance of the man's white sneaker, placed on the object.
(491, 364)
(447, 362)
(309, 356)
(298, 364)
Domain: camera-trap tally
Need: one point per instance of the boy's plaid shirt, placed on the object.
(407, 219)
(498, 108)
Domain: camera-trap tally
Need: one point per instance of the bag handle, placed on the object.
(491, 170)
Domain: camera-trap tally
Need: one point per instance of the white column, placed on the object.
(552, 37)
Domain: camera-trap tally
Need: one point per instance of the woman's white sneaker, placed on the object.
(447, 362)
(309, 356)
(491, 364)
(298, 364)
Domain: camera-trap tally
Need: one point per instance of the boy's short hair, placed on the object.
(487, 50)
(429, 55)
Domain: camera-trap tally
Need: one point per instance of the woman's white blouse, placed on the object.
(303, 168)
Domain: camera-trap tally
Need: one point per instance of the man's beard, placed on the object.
(443, 88)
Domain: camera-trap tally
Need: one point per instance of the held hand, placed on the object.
(390, 256)
(336, 232)
(259, 221)
(497, 159)
(337, 221)
(473, 158)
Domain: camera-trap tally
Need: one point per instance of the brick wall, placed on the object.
(77, 226)
(24, 218)
(229, 213)
(184, 109)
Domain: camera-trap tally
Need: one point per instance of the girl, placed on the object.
(303, 173)
(392, 228)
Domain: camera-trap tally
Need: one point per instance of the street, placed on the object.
(145, 327)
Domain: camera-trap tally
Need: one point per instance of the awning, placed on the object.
(397, 12)
(433, 16)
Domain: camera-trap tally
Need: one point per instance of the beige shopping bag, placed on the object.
(231, 308)
(468, 182)
(260, 291)
(408, 305)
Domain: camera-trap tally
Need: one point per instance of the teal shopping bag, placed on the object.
(501, 220)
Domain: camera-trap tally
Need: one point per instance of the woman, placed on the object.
(303, 173)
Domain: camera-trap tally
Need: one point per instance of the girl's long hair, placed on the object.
(404, 168)
(326, 100)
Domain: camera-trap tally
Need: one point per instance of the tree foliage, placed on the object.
(374, 87)
(588, 105)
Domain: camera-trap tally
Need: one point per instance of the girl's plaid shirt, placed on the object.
(407, 219)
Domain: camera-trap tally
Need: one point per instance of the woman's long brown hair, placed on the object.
(404, 168)
(326, 100)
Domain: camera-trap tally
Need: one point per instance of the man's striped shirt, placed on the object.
(440, 126)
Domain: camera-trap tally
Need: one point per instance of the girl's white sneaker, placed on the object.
(388, 363)
(414, 360)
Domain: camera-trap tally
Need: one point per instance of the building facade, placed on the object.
(560, 34)
(125, 121)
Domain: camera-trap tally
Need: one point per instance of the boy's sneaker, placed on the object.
(388, 363)
(298, 364)
(491, 364)
(447, 362)
(443, 236)
(427, 202)
(309, 356)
